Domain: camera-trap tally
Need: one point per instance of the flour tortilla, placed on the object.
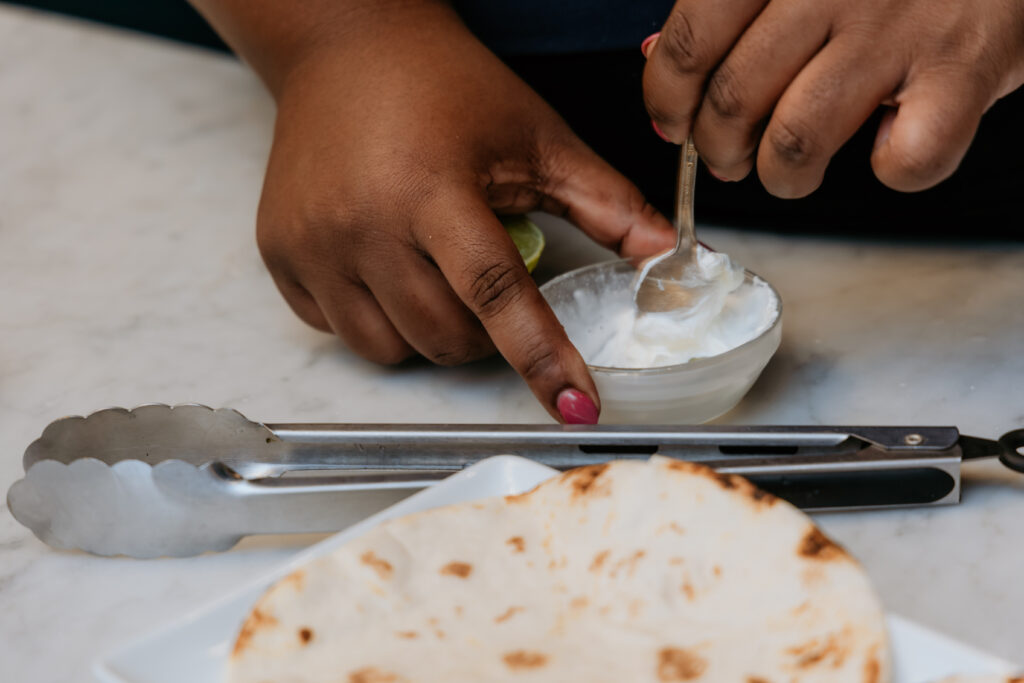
(630, 572)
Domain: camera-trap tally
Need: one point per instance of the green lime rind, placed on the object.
(528, 238)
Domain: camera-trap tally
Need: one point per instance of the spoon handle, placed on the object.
(686, 238)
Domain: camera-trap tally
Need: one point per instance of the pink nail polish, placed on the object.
(645, 46)
(658, 131)
(716, 176)
(576, 408)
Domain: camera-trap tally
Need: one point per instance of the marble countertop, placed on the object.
(130, 170)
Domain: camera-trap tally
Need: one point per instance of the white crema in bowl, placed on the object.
(609, 331)
(665, 368)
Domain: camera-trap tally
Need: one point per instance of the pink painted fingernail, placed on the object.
(658, 131)
(649, 41)
(716, 176)
(576, 408)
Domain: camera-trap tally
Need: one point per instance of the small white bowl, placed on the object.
(688, 393)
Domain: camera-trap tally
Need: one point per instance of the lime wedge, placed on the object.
(528, 238)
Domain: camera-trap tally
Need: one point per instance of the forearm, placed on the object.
(274, 37)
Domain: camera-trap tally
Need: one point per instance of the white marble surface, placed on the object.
(129, 175)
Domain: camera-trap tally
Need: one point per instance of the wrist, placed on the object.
(359, 33)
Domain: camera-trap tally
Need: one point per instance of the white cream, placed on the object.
(733, 313)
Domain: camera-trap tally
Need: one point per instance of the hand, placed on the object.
(785, 83)
(392, 152)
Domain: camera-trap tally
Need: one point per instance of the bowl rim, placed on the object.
(693, 363)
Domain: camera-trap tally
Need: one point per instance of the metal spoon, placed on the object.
(674, 281)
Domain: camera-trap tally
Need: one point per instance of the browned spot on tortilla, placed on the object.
(676, 560)
(579, 602)
(517, 543)
(762, 496)
(524, 659)
(676, 527)
(297, 578)
(801, 608)
(257, 621)
(521, 497)
(458, 610)
(305, 635)
(507, 614)
(583, 479)
(373, 675)
(687, 588)
(684, 466)
(716, 570)
(677, 664)
(408, 635)
(757, 679)
(377, 564)
(817, 546)
(599, 560)
(832, 650)
(627, 564)
(729, 482)
(871, 670)
(459, 569)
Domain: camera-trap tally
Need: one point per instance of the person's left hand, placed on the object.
(783, 84)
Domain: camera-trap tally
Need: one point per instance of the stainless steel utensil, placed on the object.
(161, 480)
(674, 281)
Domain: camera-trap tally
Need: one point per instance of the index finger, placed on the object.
(484, 268)
(696, 37)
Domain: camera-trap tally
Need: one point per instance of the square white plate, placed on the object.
(195, 647)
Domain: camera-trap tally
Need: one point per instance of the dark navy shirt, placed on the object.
(520, 27)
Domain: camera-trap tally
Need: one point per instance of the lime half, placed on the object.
(528, 238)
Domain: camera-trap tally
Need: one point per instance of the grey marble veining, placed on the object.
(129, 176)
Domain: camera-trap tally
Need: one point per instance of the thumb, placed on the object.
(603, 203)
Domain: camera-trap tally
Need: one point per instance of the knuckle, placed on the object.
(792, 141)
(457, 353)
(540, 359)
(723, 94)
(495, 287)
(681, 46)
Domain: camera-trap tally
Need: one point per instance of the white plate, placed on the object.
(195, 648)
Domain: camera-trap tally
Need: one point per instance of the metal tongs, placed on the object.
(161, 480)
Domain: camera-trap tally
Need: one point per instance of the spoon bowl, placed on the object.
(675, 281)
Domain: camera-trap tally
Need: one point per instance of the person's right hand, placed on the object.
(394, 147)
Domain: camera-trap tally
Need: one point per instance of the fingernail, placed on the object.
(658, 131)
(649, 42)
(716, 176)
(576, 408)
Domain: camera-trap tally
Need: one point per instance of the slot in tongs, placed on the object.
(159, 480)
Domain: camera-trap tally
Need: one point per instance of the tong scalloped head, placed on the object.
(174, 508)
(155, 433)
